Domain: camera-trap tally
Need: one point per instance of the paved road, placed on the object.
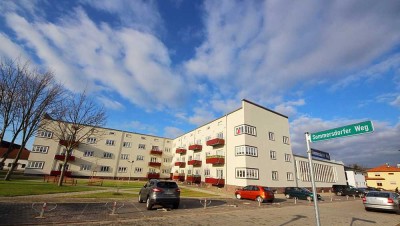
(223, 211)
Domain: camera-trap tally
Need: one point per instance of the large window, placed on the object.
(275, 175)
(138, 170)
(272, 155)
(124, 156)
(140, 158)
(85, 167)
(35, 165)
(289, 176)
(246, 173)
(323, 173)
(287, 157)
(40, 149)
(91, 140)
(271, 136)
(122, 169)
(285, 140)
(245, 129)
(142, 146)
(45, 134)
(104, 168)
(107, 155)
(110, 142)
(88, 154)
(246, 150)
(126, 144)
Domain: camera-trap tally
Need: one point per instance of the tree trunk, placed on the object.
(15, 163)
(9, 150)
(62, 174)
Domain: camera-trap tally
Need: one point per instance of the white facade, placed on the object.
(248, 146)
(356, 179)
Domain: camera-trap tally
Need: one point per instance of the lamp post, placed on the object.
(130, 171)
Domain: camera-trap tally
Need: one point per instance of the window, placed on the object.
(272, 155)
(140, 157)
(124, 156)
(35, 165)
(138, 170)
(85, 167)
(156, 140)
(207, 172)
(88, 154)
(377, 174)
(207, 138)
(142, 146)
(285, 140)
(104, 168)
(289, 176)
(287, 157)
(128, 135)
(166, 171)
(220, 135)
(126, 144)
(122, 169)
(271, 136)
(155, 148)
(391, 173)
(111, 133)
(167, 149)
(274, 175)
(246, 173)
(107, 155)
(167, 160)
(110, 142)
(45, 134)
(143, 138)
(153, 159)
(246, 150)
(379, 184)
(198, 141)
(40, 149)
(91, 140)
(245, 129)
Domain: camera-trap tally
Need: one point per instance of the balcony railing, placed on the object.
(155, 164)
(215, 159)
(194, 162)
(152, 175)
(194, 179)
(155, 152)
(62, 157)
(181, 151)
(68, 143)
(215, 181)
(180, 164)
(58, 173)
(215, 142)
(179, 177)
(195, 147)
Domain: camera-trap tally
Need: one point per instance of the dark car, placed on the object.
(349, 190)
(338, 188)
(160, 192)
(382, 200)
(255, 192)
(300, 193)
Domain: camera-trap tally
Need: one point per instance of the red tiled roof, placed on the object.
(4, 146)
(384, 168)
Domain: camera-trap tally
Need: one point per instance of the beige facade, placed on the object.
(248, 146)
(385, 176)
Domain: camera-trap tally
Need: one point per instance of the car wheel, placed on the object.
(238, 196)
(149, 205)
(176, 205)
(139, 199)
(367, 209)
(287, 196)
(259, 199)
(339, 193)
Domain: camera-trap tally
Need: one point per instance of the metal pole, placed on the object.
(315, 197)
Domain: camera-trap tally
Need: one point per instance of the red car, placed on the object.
(255, 192)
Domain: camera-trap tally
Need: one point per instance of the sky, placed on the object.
(166, 67)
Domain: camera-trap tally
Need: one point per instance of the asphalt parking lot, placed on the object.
(224, 211)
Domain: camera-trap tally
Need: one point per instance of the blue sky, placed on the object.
(165, 67)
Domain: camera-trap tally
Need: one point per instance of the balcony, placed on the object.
(194, 163)
(152, 175)
(179, 177)
(155, 152)
(215, 181)
(58, 173)
(69, 143)
(62, 157)
(194, 179)
(181, 151)
(195, 147)
(180, 164)
(155, 164)
(215, 159)
(215, 142)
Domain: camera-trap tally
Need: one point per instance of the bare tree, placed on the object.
(79, 119)
(40, 95)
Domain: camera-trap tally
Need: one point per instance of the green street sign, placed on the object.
(344, 131)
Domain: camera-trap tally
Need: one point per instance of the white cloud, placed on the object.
(396, 102)
(172, 132)
(110, 103)
(141, 127)
(370, 150)
(11, 50)
(289, 108)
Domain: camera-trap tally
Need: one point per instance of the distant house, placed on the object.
(384, 176)
(23, 160)
(355, 178)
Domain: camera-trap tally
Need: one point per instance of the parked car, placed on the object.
(338, 188)
(300, 193)
(350, 190)
(368, 189)
(382, 200)
(160, 192)
(255, 192)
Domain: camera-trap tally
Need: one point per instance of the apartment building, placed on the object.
(250, 145)
(384, 176)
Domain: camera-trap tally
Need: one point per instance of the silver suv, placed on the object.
(160, 192)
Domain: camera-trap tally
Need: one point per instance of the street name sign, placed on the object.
(344, 131)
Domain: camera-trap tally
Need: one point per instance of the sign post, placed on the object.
(344, 131)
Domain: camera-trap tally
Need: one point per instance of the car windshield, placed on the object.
(305, 189)
(378, 194)
(167, 184)
(266, 189)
